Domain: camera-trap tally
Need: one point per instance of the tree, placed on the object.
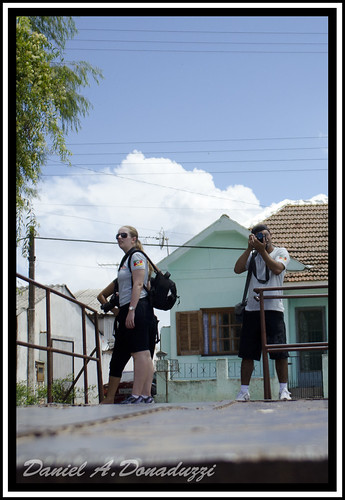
(48, 102)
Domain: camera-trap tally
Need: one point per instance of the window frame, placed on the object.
(307, 363)
(191, 334)
(218, 339)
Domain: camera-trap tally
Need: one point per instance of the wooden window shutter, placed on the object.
(189, 332)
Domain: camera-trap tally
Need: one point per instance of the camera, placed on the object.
(260, 236)
(113, 302)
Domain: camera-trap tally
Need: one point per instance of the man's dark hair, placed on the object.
(260, 227)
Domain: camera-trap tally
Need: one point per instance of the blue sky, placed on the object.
(232, 92)
(197, 116)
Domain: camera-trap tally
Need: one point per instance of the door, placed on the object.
(63, 364)
(310, 326)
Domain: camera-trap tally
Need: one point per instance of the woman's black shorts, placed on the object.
(128, 341)
(250, 340)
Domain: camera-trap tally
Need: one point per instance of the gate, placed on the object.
(50, 349)
(266, 348)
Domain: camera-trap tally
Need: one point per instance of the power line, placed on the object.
(76, 217)
(209, 161)
(202, 31)
(197, 140)
(157, 244)
(199, 42)
(202, 51)
(120, 176)
(146, 244)
(129, 206)
(202, 151)
(198, 173)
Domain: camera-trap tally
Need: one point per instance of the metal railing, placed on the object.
(266, 348)
(50, 349)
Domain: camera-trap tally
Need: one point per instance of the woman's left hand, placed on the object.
(130, 320)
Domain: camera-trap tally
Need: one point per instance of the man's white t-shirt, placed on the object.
(279, 254)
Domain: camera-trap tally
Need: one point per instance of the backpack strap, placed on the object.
(147, 257)
(129, 256)
(124, 258)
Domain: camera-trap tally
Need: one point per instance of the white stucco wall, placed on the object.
(66, 325)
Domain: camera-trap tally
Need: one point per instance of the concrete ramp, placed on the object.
(199, 444)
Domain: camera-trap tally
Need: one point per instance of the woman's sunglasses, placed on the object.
(123, 235)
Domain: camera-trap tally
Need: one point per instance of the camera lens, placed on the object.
(260, 237)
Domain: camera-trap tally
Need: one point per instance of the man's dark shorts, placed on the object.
(250, 340)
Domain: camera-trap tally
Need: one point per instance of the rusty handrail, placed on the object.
(45, 287)
(50, 349)
(266, 348)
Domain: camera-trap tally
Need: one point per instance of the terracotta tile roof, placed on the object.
(303, 231)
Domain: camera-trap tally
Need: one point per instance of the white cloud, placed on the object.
(320, 198)
(93, 207)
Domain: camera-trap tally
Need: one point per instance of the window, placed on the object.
(310, 324)
(220, 331)
(39, 371)
(63, 365)
(207, 332)
(189, 332)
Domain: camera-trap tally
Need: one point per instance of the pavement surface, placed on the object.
(189, 444)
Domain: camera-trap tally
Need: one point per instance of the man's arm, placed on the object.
(240, 265)
(273, 265)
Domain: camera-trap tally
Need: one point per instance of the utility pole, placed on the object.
(31, 371)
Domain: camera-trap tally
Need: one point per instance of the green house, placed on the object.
(198, 353)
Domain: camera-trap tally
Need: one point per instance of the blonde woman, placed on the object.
(134, 320)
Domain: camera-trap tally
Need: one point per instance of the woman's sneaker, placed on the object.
(132, 400)
(147, 399)
(243, 396)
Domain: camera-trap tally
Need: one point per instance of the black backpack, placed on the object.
(163, 291)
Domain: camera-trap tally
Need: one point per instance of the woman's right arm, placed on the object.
(104, 294)
(107, 292)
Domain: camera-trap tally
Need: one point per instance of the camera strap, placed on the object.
(249, 275)
(254, 269)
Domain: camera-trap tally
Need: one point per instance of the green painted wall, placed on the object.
(205, 278)
(216, 389)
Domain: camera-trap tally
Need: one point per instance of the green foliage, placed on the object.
(60, 389)
(57, 29)
(48, 102)
(27, 396)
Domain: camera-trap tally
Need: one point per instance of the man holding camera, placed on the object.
(268, 264)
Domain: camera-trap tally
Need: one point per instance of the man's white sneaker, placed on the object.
(243, 396)
(285, 394)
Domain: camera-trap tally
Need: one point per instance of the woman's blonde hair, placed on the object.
(134, 234)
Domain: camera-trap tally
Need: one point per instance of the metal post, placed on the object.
(99, 363)
(86, 385)
(77, 378)
(266, 371)
(31, 312)
(166, 384)
(49, 352)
